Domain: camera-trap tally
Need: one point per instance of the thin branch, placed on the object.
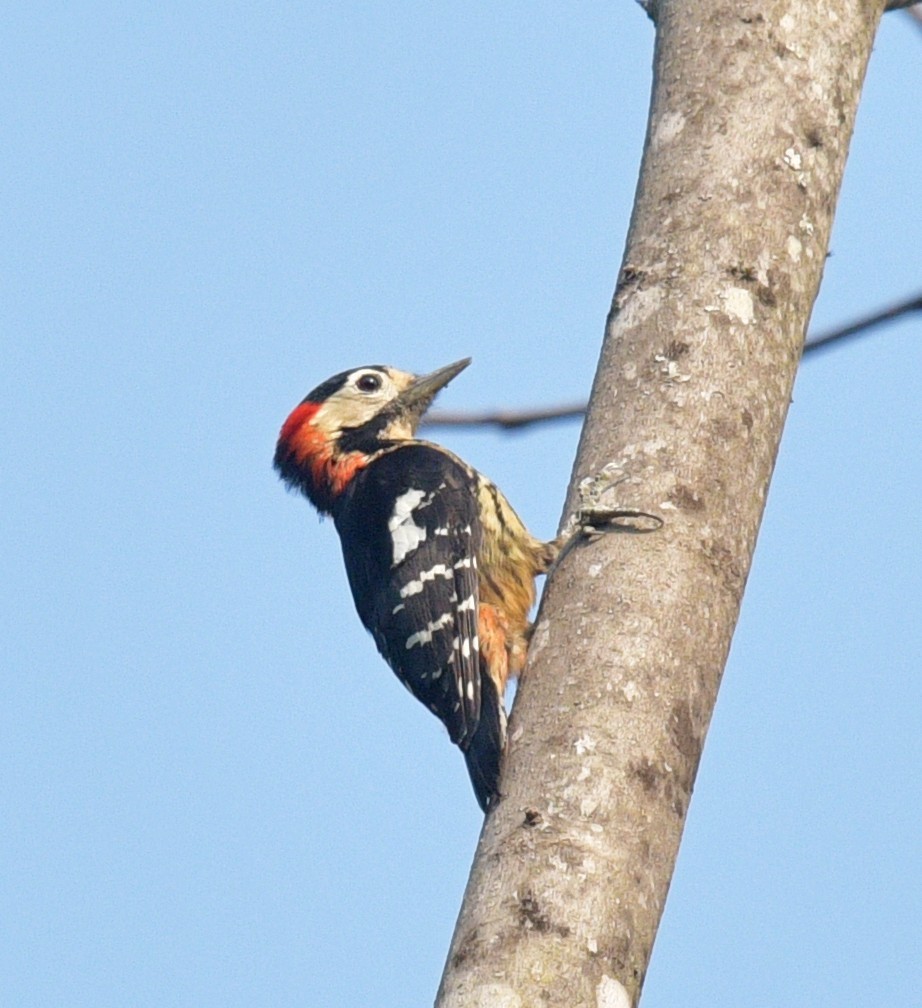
(506, 419)
(517, 419)
(863, 325)
(901, 4)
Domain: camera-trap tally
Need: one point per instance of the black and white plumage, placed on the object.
(441, 568)
(411, 535)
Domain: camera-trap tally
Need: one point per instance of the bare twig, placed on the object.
(863, 325)
(516, 419)
(506, 419)
(901, 4)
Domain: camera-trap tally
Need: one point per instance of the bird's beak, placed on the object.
(418, 396)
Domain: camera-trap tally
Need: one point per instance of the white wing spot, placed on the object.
(476, 643)
(470, 690)
(466, 648)
(397, 609)
(416, 586)
(406, 535)
(463, 562)
(468, 603)
(425, 636)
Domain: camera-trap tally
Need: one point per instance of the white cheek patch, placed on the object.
(406, 535)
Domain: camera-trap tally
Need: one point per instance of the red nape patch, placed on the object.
(300, 415)
(307, 458)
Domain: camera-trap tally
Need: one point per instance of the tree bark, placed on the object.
(751, 116)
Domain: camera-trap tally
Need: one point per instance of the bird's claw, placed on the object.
(593, 518)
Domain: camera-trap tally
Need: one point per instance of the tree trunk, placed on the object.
(751, 116)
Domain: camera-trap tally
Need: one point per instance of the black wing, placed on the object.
(410, 534)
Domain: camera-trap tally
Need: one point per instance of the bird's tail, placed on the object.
(484, 754)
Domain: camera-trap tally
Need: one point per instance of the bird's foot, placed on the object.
(593, 517)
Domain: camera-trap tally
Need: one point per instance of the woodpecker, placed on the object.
(442, 569)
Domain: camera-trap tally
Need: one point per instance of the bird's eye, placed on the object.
(368, 383)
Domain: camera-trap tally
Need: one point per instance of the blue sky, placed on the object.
(214, 792)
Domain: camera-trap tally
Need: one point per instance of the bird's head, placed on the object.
(342, 424)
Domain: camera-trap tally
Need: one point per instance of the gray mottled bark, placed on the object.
(752, 111)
